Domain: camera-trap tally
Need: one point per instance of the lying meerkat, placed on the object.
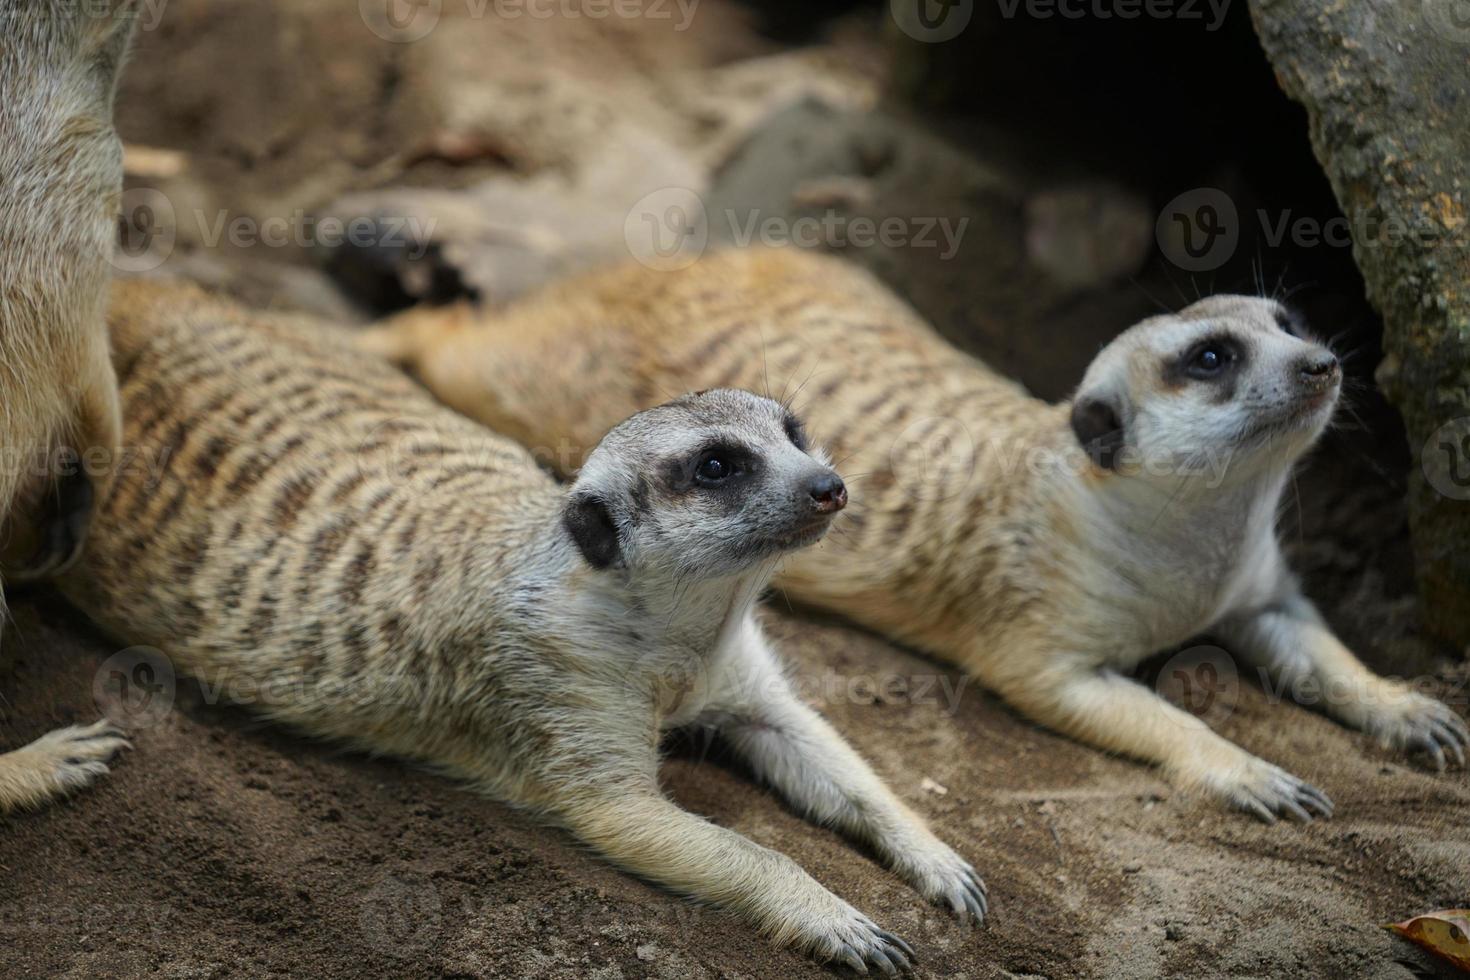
(327, 542)
(60, 181)
(986, 534)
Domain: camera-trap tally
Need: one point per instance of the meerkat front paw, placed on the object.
(1268, 792)
(60, 762)
(847, 936)
(1413, 722)
(946, 879)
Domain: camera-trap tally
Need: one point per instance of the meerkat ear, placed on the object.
(589, 522)
(1099, 428)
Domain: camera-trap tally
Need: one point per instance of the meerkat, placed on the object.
(60, 183)
(324, 541)
(1046, 548)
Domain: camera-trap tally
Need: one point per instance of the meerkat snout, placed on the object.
(1319, 371)
(828, 492)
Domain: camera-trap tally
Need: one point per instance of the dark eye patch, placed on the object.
(714, 466)
(1212, 359)
(1290, 321)
(795, 431)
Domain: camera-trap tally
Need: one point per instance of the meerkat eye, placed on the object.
(1288, 321)
(1208, 361)
(795, 432)
(713, 468)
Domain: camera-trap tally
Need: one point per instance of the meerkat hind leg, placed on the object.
(650, 836)
(57, 763)
(1115, 713)
(1290, 641)
(790, 747)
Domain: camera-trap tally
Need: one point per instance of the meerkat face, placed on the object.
(1226, 385)
(704, 486)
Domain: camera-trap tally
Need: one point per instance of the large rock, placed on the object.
(1387, 88)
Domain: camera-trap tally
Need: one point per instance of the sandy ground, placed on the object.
(221, 847)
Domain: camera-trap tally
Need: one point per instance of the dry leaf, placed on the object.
(1445, 933)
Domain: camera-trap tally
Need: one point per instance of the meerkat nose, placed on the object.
(1319, 370)
(829, 493)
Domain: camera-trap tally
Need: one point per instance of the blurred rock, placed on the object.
(1387, 90)
(1088, 235)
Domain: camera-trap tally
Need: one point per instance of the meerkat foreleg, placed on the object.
(650, 836)
(57, 763)
(1113, 712)
(1291, 642)
(790, 747)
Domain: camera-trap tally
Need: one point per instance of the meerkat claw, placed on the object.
(897, 943)
(1425, 725)
(865, 948)
(1272, 792)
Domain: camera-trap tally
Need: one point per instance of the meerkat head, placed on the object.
(706, 485)
(1231, 378)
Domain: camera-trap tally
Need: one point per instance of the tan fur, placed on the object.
(60, 179)
(979, 530)
(306, 530)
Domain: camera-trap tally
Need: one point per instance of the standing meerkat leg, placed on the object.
(650, 836)
(1106, 709)
(1290, 641)
(793, 749)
